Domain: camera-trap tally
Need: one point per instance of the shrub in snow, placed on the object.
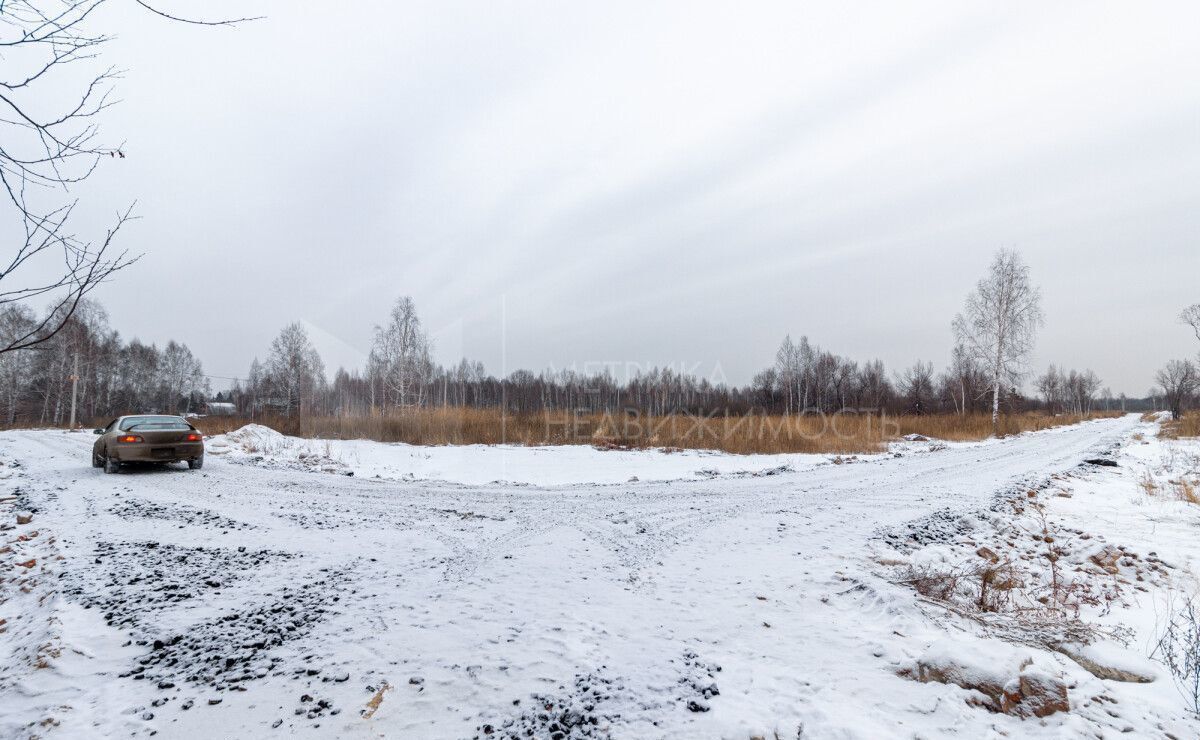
(1179, 650)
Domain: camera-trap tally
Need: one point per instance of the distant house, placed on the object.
(220, 408)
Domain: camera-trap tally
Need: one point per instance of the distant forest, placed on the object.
(116, 376)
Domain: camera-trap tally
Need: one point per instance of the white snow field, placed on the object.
(271, 594)
(479, 464)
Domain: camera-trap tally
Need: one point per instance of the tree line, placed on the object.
(988, 361)
(805, 378)
(108, 375)
(994, 336)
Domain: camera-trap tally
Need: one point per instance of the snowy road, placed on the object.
(223, 602)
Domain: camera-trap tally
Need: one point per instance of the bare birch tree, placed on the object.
(294, 372)
(1082, 388)
(998, 325)
(961, 381)
(787, 362)
(181, 376)
(399, 358)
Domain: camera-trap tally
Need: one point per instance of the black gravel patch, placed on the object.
(697, 683)
(589, 707)
(329, 518)
(140, 579)
(140, 582)
(943, 526)
(577, 711)
(948, 526)
(186, 515)
(23, 501)
(225, 652)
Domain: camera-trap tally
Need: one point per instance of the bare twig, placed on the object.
(48, 147)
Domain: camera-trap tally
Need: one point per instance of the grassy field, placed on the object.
(831, 434)
(1188, 426)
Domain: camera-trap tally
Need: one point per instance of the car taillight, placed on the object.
(129, 438)
(194, 438)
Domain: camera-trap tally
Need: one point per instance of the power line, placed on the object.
(225, 377)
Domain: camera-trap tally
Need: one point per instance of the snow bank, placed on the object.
(971, 663)
(1107, 660)
(1003, 678)
(258, 444)
(255, 444)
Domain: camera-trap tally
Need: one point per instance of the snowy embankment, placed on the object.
(258, 598)
(1076, 576)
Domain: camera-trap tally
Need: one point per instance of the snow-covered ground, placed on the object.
(516, 464)
(713, 596)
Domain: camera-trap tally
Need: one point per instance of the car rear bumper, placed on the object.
(165, 452)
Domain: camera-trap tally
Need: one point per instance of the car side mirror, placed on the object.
(97, 431)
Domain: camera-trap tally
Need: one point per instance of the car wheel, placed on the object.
(197, 463)
(97, 462)
(111, 465)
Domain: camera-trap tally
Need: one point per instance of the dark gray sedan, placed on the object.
(162, 439)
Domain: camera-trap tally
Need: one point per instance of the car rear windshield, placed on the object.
(154, 422)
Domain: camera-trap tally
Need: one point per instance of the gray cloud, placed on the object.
(658, 183)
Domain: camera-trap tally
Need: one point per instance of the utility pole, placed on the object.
(74, 387)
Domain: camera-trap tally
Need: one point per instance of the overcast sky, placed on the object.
(570, 183)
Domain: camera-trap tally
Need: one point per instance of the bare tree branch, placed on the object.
(168, 16)
(47, 146)
(1191, 317)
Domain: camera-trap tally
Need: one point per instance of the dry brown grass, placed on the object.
(1188, 426)
(1180, 489)
(841, 434)
(1185, 491)
(979, 426)
(1148, 484)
